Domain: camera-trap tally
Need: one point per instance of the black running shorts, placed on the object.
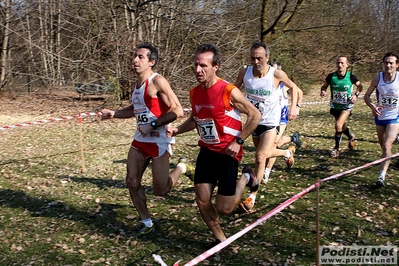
(337, 113)
(218, 169)
(262, 129)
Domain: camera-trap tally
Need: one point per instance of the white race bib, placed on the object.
(207, 130)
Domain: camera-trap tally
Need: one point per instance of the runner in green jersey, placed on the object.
(342, 101)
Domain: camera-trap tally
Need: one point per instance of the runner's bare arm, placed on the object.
(281, 76)
(126, 112)
(165, 92)
(245, 107)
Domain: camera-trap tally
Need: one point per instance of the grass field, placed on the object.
(52, 213)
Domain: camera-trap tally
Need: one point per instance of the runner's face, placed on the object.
(259, 58)
(203, 69)
(390, 64)
(141, 61)
(342, 64)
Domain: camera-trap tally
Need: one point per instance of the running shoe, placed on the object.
(253, 183)
(334, 153)
(290, 160)
(265, 178)
(190, 170)
(396, 141)
(145, 230)
(351, 142)
(380, 181)
(247, 205)
(295, 139)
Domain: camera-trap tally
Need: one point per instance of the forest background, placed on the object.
(54, 44)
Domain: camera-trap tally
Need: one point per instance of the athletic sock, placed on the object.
(252, 197)
(287, 154)
(338, 137)
(147, 222)
(347, 133)
(267, 172)
(183, 167)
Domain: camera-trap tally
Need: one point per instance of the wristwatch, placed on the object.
(239, 140)
(154, 125)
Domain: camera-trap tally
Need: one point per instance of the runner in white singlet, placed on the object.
(386, 109)
(281, 139)
(261, 85)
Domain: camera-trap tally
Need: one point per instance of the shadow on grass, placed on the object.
(47, 207)
(171, 235)
(103, 218)
(331, 137)
(56, 155)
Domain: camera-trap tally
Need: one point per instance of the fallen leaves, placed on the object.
(16, 248)
(47, 205)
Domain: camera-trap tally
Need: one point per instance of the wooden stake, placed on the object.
(318, 222)
(82, 156)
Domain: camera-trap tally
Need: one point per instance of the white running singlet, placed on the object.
(262, 93)
(387, 97)
(145, 115)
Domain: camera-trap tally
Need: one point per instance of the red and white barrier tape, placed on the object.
(305, 103)
(310, 103)
(273, 212)
(62, 118)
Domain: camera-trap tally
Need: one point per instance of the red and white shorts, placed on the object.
(152, 149)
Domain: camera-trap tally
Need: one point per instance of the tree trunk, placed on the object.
(5, 51)
(43, 40)
(58, 45)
